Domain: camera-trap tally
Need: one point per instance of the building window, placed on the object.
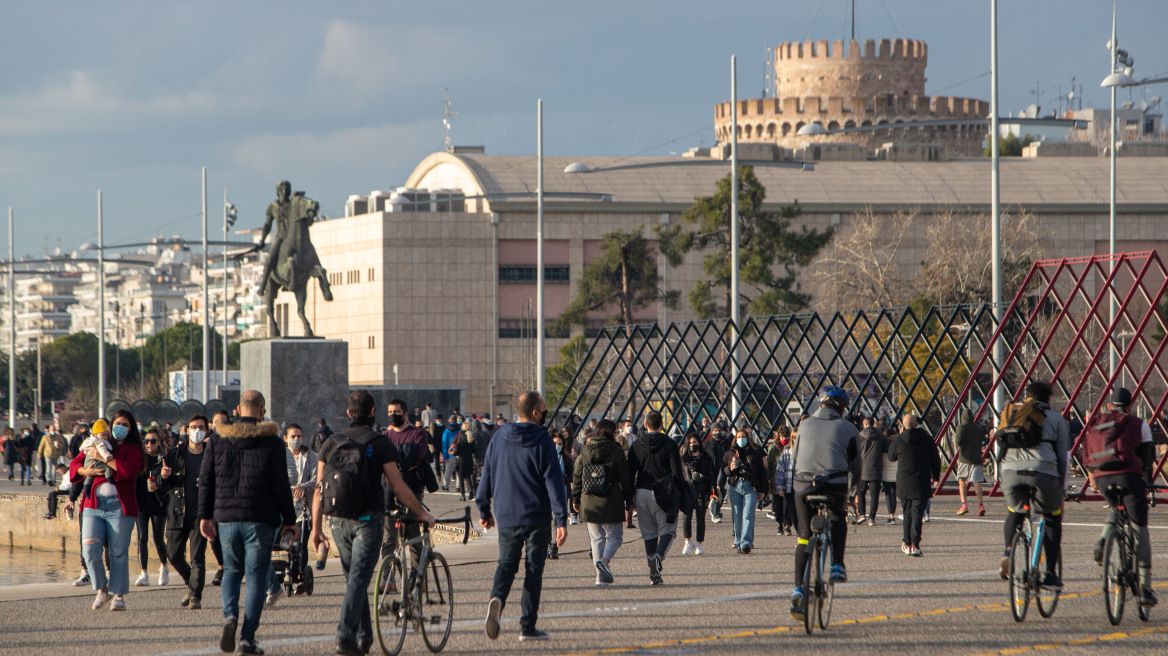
(525, 329)
(353, 276)
(372, 341)
(370, 275)
(556, 274)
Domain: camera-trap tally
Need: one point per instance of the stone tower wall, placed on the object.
(838, 87)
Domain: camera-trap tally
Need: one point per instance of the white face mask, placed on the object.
(198, 435)
(295, 442)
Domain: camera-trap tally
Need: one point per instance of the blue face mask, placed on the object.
(559, 448)
(742, 442)
(120, 432)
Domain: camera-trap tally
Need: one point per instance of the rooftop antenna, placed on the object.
(446, 114)
(853, 20)
(768, 72)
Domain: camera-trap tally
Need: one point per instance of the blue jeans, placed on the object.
(359, 543)
(247, 550)
(512, 541)
(743, 501)
(107, 526)
(26, 474)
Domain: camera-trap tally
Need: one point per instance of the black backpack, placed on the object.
(594, 479)
(1021, 426)
(347, 489)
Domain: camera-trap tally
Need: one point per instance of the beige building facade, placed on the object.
(448, 296)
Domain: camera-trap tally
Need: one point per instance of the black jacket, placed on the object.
(701, 472)
(918, 463)
(652, 456)
(245, 475)
(171, 492)
(148, 502)
(873, 445)
(751, 467)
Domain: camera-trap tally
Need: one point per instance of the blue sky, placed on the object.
(133, 97)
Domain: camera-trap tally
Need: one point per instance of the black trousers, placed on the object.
(151, 524)
(914, 514)
(193, 573)
(868, 495)
(53, 496)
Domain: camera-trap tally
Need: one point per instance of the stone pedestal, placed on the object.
(301, 379)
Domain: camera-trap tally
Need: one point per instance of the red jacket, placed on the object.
(129, 460)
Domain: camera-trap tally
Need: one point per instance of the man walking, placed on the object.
(970, 438)
(873, 446)
(918, 465)
(652, 457)
(523, 478)
(244, 498)
(357, 531)
(178, 489)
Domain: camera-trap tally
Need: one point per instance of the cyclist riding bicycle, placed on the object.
(1133, 447)
(1035, 475)
(826, 451)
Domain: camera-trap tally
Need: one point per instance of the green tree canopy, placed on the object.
(623, 277)
(573, 356)
(769, 250)
(1011, 145)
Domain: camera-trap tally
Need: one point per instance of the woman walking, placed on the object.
(701, 472)
(151, 514)
(110, 509)
(11, 453)
(567, 466)
(464, 450)
(602, 467)
(745, 475)
(780, 479)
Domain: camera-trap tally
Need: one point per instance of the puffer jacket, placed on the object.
(608, 509)
(245, 475)
(873, 446)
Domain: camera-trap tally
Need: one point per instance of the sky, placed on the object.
(134, 97)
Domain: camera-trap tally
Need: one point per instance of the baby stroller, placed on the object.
(293, 569)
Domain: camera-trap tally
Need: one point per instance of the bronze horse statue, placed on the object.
(292, 260)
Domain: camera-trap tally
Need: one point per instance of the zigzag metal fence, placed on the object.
(931, 362)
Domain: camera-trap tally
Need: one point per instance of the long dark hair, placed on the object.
(134, 437)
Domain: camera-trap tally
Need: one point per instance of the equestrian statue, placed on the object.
(292, 260)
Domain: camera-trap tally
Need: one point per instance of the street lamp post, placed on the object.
(11, 326)
(996, 209)
(100, 310)
(206, 301)
(539, 327)
(734, 309)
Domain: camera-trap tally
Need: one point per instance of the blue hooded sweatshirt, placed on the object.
(522, 475)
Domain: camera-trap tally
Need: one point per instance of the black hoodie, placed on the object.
(652, 456)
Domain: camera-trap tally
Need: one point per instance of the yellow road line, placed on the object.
(1108, 637)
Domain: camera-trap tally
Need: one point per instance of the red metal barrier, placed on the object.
(1058, 328)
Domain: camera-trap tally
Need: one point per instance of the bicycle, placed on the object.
(818, 588)
(1027, 568)
(1119, 553)
(421, 594)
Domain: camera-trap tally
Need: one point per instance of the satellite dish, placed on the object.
(1143, 105)
(1031, 111)
(1155, 100)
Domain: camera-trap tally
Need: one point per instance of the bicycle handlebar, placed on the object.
(464, 519)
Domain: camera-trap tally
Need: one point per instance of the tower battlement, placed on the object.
(873, 49)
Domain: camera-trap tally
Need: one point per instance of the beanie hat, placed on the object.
(99, 427)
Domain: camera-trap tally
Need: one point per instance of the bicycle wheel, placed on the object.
(1019, 570)
(1114, 577)
(810, 580)
(1046, 599)
(388, 612)
(437, 603)
(828, 592)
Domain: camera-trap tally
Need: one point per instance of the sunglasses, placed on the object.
(151, 441)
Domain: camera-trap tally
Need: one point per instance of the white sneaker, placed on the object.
(572, 520)
(164, 575)
(698, 549)
(143, 579)
(688, 548)
(101, 599)
(119, 603)
(82, 580)
(273, 597)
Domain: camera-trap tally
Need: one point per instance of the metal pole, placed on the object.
(36, 411)
(539, 336)
(100, 310)
(12, 324)
(734, 309)
(206, 301)
(495, 307)
(1112, 355)
(995, 204)
(225, 305)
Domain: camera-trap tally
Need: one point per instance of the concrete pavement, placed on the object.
(951, 601)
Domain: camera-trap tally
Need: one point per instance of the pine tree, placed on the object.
(769, 250)
(622, 277)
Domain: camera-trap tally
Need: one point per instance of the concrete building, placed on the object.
(444, 295)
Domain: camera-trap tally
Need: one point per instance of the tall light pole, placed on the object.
(100, 310)
(539, 336)
(206, 301)
(228, 208)
(734, 310)
(996, 207)
(11, 325)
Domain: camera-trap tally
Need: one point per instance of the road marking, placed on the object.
(1108, 637)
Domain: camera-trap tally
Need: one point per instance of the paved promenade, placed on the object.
(951, 601)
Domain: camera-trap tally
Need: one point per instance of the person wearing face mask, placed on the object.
(701, 472)
(745, 475)
(110, 508)
(779, 478)
(301, 462)
(178, 486)
(464, 450)
(602, 514)
(567, 463)
(449, 437)
(654, 456)
(151, 515)
(413, 448)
